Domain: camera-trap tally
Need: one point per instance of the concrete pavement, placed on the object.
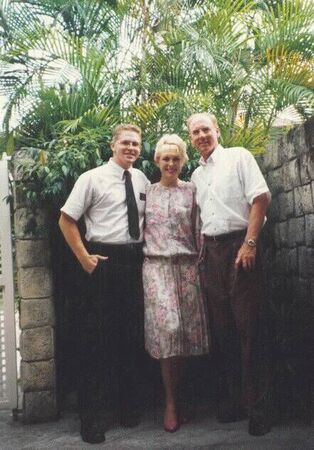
(202, 432)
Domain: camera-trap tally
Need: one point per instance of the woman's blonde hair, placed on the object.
(168, 143)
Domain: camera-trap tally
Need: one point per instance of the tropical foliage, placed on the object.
(76, 68)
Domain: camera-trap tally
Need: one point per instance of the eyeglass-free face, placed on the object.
(170, 164)
(204, 135)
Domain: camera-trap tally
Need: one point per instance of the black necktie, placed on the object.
(134, 229)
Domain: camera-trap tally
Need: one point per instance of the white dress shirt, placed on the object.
(99, 194)
(226, 185)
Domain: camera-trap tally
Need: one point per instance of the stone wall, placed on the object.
(35, 292)
(288, 166)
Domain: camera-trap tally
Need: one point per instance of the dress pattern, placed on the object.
(175, 319)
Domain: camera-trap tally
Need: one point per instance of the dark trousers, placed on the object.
(111, 332)
(237, 320)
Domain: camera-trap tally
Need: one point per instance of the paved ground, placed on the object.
(200, 433)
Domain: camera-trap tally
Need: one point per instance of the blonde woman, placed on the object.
(175, 323)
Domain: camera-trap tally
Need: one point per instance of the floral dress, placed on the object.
(175, 319)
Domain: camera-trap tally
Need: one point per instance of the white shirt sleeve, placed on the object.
(254, 183)
(80, 197)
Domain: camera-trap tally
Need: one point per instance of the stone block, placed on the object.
(292, 261)
(36, 313)
(300, 230)
(310, 261)
(309, 229)
(30, 223)
(34, 282)
(275, 181)
(286, 205)
(302, 262)
(20, 198)
(296, 231)
(291, 175)
(283, 232)
(288, 148)
(284, 261)
(273, 210)
(32, 253)
(298, 201)
(312, 290)
(292, 227)
(309, 133)
(39, 406)
(268, 257)
(307, 167)
(303, 200)
(276, 233)
(302, 290)
(281, 261)
(37, 344)
(21, 158)
(38, 376)
(307, 199)
(273, 155)
(297, 136)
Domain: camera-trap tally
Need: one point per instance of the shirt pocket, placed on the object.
(141, 201)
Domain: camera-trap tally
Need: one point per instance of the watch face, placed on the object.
(251, 242)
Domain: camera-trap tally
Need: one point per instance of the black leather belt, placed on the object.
(226, 236)
(117, 250)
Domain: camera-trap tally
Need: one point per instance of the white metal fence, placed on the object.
(8, 374)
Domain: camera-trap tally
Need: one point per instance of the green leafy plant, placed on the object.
(52, 168)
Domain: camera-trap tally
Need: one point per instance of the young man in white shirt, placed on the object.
(233, 198)
(112, 200)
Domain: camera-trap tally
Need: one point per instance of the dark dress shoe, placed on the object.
(258, 426)
(92, 432)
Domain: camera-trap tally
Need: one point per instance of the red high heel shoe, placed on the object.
(171, 425)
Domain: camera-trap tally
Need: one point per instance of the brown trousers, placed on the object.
(237, 320)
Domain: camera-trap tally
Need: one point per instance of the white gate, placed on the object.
(8, 377)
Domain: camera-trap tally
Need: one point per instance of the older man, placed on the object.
(233, 197)
(111, 198)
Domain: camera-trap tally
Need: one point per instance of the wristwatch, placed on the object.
(250, 242)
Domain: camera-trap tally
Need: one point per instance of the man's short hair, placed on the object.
(201, 115)
(124, 127)
(168, 143)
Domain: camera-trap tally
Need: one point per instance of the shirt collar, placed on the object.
(212, 158)
(118, 169)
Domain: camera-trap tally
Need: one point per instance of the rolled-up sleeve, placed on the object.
(254, 183)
